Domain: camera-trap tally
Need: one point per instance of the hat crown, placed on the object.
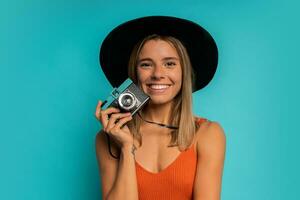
(118, 44)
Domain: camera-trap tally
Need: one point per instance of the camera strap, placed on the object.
(160, 124)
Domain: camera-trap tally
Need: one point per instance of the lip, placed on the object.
(158, 91)
(158, 84)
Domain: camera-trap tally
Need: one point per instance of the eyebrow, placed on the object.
(165, 58)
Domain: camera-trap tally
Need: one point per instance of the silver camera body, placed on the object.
(127, 97)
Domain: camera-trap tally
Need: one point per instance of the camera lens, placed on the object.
(127, 101)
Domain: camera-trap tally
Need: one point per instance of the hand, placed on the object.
(115, 124)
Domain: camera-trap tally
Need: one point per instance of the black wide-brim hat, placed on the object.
(117, 46)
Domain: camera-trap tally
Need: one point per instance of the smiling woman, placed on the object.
(165, 152)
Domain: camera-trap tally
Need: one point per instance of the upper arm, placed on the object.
(211, 153)
(107, 164)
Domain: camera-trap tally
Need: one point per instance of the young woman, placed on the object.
(164, 151)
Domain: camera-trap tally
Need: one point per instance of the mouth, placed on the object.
(158, 88)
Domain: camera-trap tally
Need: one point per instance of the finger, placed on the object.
(106, 114)
(103, 115)
(114, 117)
(122, 122)
(98, 109)
(110, 110)
(106, 111)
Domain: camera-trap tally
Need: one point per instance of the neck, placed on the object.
(159, 113)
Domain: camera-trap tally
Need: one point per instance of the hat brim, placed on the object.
(117, 46)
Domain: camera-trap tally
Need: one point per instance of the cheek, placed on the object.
(177, 77)
(141, 76)
(141, 79)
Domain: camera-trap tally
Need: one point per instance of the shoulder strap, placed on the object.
(200, 120)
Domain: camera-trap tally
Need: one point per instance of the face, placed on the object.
(159, 71)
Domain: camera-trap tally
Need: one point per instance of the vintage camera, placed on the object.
(127, 97)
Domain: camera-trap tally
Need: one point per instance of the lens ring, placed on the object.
(121, 104)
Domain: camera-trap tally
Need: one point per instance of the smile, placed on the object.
(158, 88)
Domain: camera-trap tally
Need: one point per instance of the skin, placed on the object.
(158, 63)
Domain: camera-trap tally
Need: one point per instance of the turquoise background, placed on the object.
(50, 83)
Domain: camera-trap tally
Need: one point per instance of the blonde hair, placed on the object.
(182, 112)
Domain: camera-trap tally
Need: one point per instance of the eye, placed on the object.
(169, 64)
(145, 64)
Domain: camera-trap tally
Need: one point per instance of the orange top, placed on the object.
(174, 182)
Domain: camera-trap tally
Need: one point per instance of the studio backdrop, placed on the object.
(51, 81)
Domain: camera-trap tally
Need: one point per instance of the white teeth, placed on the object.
(158, 87)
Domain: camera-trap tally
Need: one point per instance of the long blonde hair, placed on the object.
(182, 110)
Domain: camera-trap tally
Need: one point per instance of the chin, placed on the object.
(159, 100)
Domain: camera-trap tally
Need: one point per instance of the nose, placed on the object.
(158, 72)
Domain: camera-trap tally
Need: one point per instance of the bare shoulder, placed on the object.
(210, 138)
(211, 129)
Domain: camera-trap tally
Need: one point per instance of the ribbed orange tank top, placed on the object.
(174, 182)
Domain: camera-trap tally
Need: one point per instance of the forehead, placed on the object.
(158, 48)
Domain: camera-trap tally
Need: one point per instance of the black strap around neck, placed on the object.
(160, 124)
